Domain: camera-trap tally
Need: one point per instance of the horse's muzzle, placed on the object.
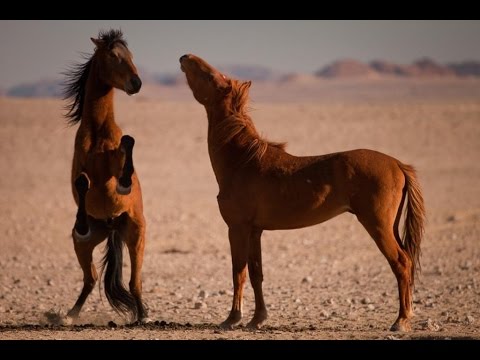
(134, 85)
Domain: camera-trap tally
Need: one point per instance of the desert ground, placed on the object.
(324, 282)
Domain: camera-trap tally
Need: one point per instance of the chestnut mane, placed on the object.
(239, 128)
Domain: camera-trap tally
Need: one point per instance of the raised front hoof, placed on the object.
(81, 238)
(401, 325)
(123, 190)
(127, 142)
(231, 322)
(82, 184)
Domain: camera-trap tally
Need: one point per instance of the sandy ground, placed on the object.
(324, 282)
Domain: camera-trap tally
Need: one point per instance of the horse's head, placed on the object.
(207, 83)
(115, 65)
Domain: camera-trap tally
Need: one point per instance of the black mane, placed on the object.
(77, 75)
(112, 37)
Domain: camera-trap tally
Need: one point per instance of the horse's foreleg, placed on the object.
(239, 237)
(81, 230)
(124, 184)
(256, 278)
(135, 240)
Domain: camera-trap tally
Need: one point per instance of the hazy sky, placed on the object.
(33, 50)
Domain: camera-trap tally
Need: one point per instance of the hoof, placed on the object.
(145, 320)
(81, 238)
(256, 324)
(82, 183)
(55, 317)
(401, 325)
(123, 190)
(257, 321)
(127, 142)
(67, 320)
(227, 325)
(231, 321)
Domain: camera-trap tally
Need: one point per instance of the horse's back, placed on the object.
(370, 165)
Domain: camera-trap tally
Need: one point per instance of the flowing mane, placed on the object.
(77, 75)
(240, 129)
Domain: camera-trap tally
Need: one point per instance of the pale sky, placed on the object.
(34, 50)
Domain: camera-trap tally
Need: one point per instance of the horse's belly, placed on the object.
(104, 202)
(295, 215)
(297, 220)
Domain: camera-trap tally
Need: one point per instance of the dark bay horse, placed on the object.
(104, 183)
(262, 187)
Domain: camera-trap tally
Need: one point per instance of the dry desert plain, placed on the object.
(324, 282)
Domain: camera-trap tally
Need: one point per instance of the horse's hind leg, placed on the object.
(81, 230)
(134, 236)
(256, 278)
(124, 185)
(239, 237)
(380, 221)
(84, 251)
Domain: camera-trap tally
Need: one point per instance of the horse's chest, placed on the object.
(233, 209)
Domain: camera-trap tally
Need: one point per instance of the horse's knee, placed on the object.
(127, 142)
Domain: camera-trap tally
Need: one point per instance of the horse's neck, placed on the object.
(224, 156)
(98, 119)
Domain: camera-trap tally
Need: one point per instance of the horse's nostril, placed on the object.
(136, 83)
(183, 57)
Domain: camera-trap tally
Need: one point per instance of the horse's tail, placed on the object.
(118, 296)
(414, 218)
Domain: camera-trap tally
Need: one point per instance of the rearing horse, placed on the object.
(104, 183)
(262, 187)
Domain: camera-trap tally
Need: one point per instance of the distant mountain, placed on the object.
(345, 69)
(466, 68)
(422, 68)
(388, 68)
(42, 88)
(426, 67)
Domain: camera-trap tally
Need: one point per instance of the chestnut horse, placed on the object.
(262, 187)
(104, 183)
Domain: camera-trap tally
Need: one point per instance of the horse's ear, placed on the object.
(247, 84)
(98, 42)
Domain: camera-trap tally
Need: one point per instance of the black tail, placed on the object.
(118, 296)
